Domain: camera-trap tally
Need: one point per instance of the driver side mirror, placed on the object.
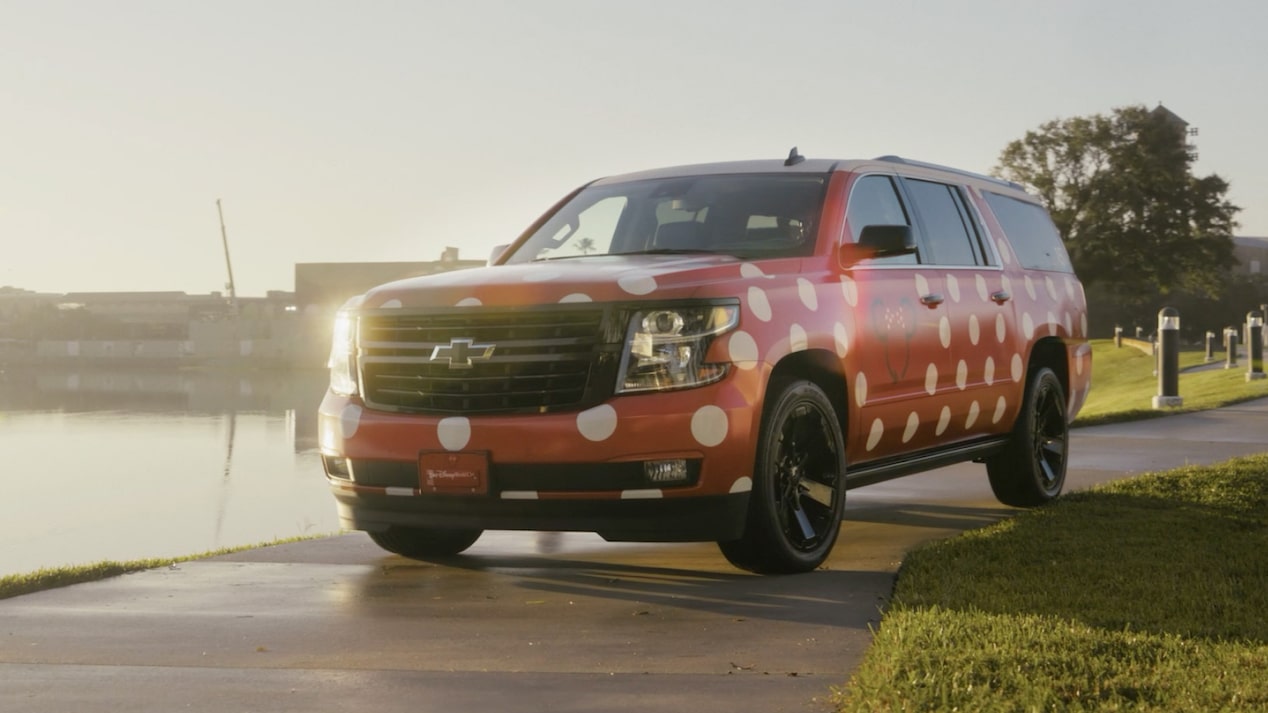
(496, 253)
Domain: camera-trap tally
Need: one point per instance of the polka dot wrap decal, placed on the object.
(391, 304)
(750, 271)
(1017, 367)
(454, 433)
(975, 330)
(349, 421)
(806, 291)
(797, 340)
(982, 290)
(1000, 406)
(742, 485)
(468, 302)
(989, 372)
(637, 284)
(842, 339)
(850, 290)
(1030, 288)
(922, 285)
(944, 332)
(961, 375)
(598, 423)
(944, 420)
(742, 349)
(758, 304)
(874, 437)
(913, 423)
(860, 389)
(974, 412)
(1001, 328)
(953, 288)
(575, 297)
(931, 379)
(709, 426)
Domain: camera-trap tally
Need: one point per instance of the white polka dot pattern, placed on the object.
(349, 421)
(597, 424)
(797, 340)
(742, 349)
(850, 290)
(709, 425)
(750, 271)
(874, 437)
(860, 389)
(982, 291)
(931, 379)
(1000, 406)
(758, 304)
(1001, 328)
(742, 485)
(922, 285)
(391, 304)
(454, 433)
(575, 297)
(1017, 367)
(913, 423)
(962, 375)
(974, 411)
(944, 420)
(975, 330)
(637, 284)
(468, 302)
(989, 372)
(953, 288)
(806, 291)
(842, 339)
(944, 332)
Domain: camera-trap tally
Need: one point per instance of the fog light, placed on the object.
(337, 467)
(666, 471)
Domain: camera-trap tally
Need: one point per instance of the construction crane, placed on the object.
(233, 293)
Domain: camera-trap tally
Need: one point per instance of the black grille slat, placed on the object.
(541, 360)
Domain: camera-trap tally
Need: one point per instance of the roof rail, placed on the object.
(980, 176)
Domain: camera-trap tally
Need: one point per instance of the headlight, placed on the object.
(665, 347)
(343, 361)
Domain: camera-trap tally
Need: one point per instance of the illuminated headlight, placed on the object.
(343, 365)
(665, 347)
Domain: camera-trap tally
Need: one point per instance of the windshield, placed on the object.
(741, 215)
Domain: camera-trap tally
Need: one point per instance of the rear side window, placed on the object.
(950, 234)
(1030, 231)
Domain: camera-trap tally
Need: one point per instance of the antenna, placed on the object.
(233, 293)
(794, 158)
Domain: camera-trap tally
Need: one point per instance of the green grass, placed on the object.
(1146, 594)
(13, 585)
(1123, 385)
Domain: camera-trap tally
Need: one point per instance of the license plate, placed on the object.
(448, 473)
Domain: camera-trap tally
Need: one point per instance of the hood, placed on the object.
(606, 278)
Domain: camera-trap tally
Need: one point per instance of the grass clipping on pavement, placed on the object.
(1147, 594)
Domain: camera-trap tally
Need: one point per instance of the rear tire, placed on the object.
(798, 493)
(1030, 471)
(421, 542)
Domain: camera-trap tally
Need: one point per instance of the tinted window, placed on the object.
(874, 201)
(1031, 233)
(950, 237)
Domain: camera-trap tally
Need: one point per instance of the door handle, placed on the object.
(931, 300)
(1000, 297)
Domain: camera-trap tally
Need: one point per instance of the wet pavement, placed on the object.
(525, 621)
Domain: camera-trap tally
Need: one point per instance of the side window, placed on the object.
(950, 234)
(1030, 231)
(874, 201)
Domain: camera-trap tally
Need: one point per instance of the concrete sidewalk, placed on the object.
(525, 621)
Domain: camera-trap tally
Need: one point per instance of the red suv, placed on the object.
(713, 353)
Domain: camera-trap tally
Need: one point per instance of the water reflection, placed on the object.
(115, 464)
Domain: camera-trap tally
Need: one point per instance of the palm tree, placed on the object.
(585, 245)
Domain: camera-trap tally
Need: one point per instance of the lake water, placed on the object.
(130, 464)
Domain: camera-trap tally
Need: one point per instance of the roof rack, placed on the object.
(980, 176)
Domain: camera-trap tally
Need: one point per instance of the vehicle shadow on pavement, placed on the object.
(823, 597)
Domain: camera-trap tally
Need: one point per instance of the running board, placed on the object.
(899, 466)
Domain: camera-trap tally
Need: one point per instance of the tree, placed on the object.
(1137, 222)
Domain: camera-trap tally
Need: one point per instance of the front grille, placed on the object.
(473, 360)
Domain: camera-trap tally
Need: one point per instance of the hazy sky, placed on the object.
(380, 131)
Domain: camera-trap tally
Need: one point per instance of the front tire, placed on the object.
(423, 542)
(1031, 469)
(798, 493)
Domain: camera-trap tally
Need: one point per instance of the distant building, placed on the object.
(1252, 256)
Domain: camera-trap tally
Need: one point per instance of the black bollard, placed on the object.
(1118, 337)
(1168, 359)
(1230, 347)
(1254, 346)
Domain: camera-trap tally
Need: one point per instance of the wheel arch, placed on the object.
(1051, 352)
(821, 367)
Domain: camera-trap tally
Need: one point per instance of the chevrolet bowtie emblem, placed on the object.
(460, 353)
